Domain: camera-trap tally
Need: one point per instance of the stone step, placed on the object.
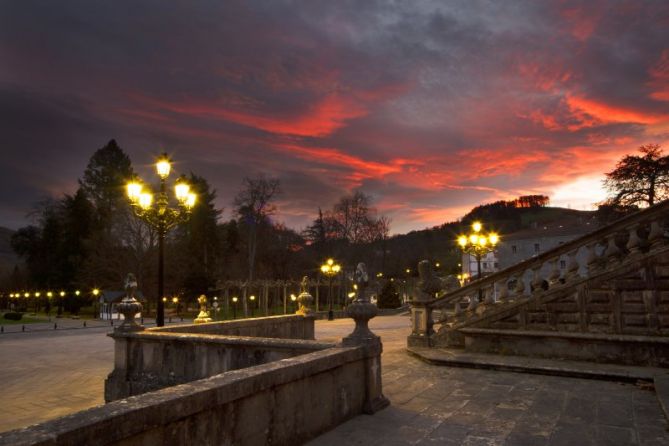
(522, 364)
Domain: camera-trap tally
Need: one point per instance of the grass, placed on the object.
(24, 320)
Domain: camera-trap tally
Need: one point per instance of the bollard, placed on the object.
(84, 324)
(23, 328)
(2, 328)
(55, 325)
(169, 320)
(112, 322)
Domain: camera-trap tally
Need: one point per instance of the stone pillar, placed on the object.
(421, 320)
(362, 310)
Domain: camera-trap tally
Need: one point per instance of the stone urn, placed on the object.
(203, 316)
(305, 299)
(129, 306)
(361, 310)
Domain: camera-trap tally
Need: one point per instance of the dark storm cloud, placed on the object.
(432, 107)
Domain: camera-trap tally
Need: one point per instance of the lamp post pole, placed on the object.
(478, 244)
(330, 269)
(161, 217)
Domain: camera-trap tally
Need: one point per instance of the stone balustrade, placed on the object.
(623, 241)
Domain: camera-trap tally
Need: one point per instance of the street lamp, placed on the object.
(330, 269)
(234, 307)
(478, 245)
(253, 299)
(175, 301)
(160, 216)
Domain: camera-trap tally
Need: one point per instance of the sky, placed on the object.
(430, 107)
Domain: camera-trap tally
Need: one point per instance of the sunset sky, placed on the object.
(430, 107)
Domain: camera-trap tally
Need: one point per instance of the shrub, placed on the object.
(389, 297)
(13, 316)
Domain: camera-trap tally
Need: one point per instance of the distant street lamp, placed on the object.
(478, 245)
(234, 307)
(175, 301)
(253, 299)
(329, 270)
(161, 217)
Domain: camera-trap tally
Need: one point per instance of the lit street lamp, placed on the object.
(478, 245)
(161, 217)
(253, 299)
(234, 307)
(330, 269)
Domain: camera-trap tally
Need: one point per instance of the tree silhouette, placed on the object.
(639, 180)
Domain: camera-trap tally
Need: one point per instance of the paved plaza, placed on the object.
(48, 374)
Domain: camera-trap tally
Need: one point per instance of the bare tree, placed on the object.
(254, 205)
(639, 180)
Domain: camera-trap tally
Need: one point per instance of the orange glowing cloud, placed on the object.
(320, 119)
(605, 113)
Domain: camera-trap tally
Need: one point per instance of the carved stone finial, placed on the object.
(304, 299)
(129, 306)
(204, 314)
(361, 310)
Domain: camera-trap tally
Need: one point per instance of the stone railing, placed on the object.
(624, 240)
(149, 360)
(284, 327)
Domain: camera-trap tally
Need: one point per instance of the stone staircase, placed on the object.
(610, 304)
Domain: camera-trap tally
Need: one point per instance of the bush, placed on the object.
(389, 297)
(13, 316)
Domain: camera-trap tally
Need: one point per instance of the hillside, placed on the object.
(438, 243)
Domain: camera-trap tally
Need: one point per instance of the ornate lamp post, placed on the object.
(329, 270)
(252, 298)
(478, 245)
(161, 217)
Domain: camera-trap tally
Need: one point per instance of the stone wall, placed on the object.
(284, 402)
(153, 359)
(284, 327)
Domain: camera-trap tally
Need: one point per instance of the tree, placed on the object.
(108, 170)
(639, 180)
(254, 204)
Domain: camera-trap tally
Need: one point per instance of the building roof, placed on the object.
(571, 226)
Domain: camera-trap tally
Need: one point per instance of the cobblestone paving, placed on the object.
(49, 374)
(432, 405)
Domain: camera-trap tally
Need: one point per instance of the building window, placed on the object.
(536, 248)
(563, 264)
(514, 249)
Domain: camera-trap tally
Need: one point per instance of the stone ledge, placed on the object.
(276, 343)
(568, 335)
(145, 412)
(524, 364)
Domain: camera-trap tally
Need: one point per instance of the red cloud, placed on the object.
(659, 78)
(581, 23)
(605, 113)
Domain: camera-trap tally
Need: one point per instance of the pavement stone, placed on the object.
(47, 374)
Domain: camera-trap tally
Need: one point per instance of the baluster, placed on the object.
(634, 242)
(572, 266)
(489, 295)
(554, 275)
(591, 259)
(503, 291)
(656, 234)
(612, 252)
(473, 301)
(537, 280)
(519, 289)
